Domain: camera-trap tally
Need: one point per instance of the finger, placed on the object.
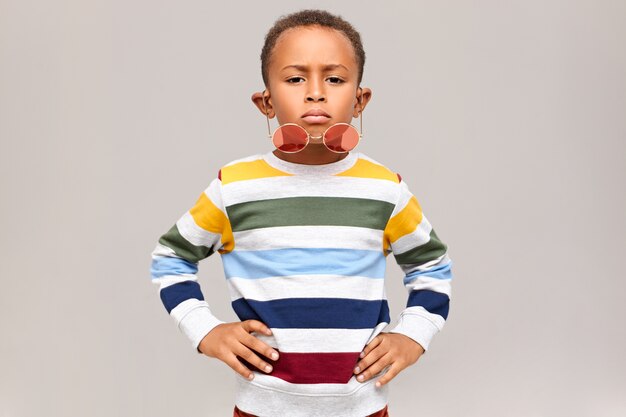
(371, 345)
(237, 366)
(258, 345)
(250, 357)
(393, 370)
(255, 326)
(374, 368)
(370, 358)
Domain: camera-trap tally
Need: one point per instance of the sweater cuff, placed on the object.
(196, 321)
(418, 327)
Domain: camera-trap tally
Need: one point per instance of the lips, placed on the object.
(316, 116)
(316, 112)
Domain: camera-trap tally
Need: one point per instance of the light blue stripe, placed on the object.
(439, 272)
(303, 261)
(166, 265)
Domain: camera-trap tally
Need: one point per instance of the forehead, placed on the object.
(312, 46)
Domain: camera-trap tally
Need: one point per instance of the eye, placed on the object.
(290, 80)
(337, 80)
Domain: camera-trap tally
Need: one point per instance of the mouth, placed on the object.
(316, 116)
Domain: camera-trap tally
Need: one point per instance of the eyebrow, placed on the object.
(326, 67)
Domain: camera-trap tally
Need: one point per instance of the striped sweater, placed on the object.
(304, 250)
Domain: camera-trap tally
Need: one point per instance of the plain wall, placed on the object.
(506, 119)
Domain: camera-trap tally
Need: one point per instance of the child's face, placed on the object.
(313, 68)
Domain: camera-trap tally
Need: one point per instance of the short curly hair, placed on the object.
(310, 17)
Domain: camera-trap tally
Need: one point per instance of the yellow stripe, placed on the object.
(403, 223)
(249, 170)
(367, 169)
(212, 219)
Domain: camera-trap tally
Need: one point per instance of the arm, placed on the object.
(198, 233)
(427, 269)
(201, 231)
(424, 260)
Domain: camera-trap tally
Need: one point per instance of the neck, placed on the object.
(311, 155)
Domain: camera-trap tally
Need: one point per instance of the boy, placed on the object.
(303, 232)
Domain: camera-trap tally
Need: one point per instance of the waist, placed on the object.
(381, 413)
(315, 356)
(267, 396)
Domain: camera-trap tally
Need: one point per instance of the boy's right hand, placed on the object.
(226, 341)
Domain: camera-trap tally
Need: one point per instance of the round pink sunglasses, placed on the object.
(292, 138)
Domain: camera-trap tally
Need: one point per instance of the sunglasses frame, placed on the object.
(270, 135)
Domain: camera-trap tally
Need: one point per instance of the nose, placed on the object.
(315, 97)
(315, 92)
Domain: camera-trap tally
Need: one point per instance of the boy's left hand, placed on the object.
(386, 349)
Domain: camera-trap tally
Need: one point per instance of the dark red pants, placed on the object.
(238, 413)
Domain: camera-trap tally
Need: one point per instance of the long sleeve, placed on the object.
(198, 233)
(424, 260)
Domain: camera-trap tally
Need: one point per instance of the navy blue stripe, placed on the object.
(434, 302)
(314, 313)
(177, 293)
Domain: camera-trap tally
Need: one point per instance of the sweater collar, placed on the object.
(304, 169)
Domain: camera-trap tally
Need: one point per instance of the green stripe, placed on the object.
(182, 247)
(310, 211)
(430, 250)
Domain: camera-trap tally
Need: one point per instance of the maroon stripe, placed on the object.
(311, 368)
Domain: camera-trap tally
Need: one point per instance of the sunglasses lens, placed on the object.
(341, 137)
(290, 138)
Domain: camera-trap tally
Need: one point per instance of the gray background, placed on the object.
(510, 119)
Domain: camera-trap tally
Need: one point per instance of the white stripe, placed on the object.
(402, 198)
(419, 325)
(427, 283)
(214, 194)
(418, 237)
(436, 319)
(345, 237)
(194, 318)
(302, 185)
(167, 280)
(179, 312)
(317, 340)
(244, 159)
(162, 250)
(195, 234)
(307, 286)
(266, 394)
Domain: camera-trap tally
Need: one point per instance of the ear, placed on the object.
(264, 106)
(363, 97)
